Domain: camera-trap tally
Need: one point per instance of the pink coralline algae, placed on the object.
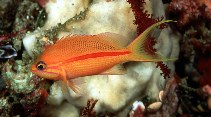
(190, 10)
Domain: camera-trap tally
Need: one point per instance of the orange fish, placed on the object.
(84, 55)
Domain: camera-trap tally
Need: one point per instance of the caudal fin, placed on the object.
(140, 46)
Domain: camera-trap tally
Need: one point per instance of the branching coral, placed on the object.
(164, 68)
(142, 19)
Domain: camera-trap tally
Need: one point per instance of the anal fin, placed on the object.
(74, 87)
(115, 70)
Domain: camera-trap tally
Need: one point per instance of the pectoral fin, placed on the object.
(115, 70)
(75, 88)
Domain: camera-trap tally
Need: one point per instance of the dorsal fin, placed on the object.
(113, 38)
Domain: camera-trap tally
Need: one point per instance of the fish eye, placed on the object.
(41, 65)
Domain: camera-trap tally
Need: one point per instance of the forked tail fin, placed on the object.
(141, 51)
